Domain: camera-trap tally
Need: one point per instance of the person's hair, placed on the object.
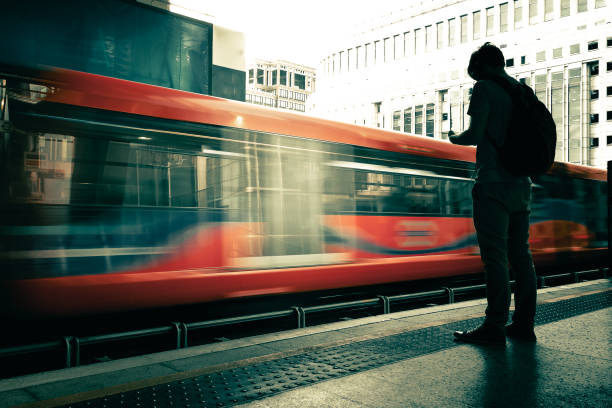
(487, 54)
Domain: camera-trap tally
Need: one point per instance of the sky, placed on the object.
(300, 32)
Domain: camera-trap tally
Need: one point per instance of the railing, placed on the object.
(71, 346)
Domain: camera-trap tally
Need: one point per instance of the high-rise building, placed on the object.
(280, 84)
(407, 72)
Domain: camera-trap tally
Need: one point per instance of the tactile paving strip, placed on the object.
(262, 380)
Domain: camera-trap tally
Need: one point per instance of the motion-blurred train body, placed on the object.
(119, 195)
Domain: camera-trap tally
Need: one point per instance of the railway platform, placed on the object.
(402, 359)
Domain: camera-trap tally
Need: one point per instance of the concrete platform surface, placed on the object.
(404, 359)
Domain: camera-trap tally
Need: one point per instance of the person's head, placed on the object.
(486, 61)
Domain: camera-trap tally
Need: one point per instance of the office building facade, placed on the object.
(407, 72)
(280, 84)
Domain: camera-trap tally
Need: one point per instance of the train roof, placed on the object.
(100, 92)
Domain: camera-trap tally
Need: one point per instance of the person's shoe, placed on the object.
(484, 334)
(515, 331)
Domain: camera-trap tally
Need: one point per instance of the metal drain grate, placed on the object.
(262, 380)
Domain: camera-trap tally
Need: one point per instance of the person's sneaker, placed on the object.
(515, 331)
(484, 334)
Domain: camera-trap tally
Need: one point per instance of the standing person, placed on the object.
(501, 205)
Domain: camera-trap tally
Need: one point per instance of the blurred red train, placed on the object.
(119, 196)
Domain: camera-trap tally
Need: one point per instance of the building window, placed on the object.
(429, 40)
(582, 6)
(510, 62)
(396, 120)
(548, 10)
(397, 47)
(523, 59)
(593, 68)
(565, 8)
(369, 55)
(378, 52)
(518, 14)
(595, 142)
(451, 32)
(283, 77)
(593, 45)
(533, 11)
(600, 3)
(408, 120)
(407, 44)
(594, 94)
(558, 52)
(609, 42)
(609, 115)
(595, 118)
(608, 66)
(609, 140)
(429, 120)
(503, 17)
(299, 80)
(574, 49)
(541, 56)
(418, 41)
(388, 51)
(418, 119)
(490, 22)
(476, 27)
(440, 34)
(260, 76)
(609, 91)
(464, 28)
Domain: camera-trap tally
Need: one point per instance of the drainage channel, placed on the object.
(262, 380)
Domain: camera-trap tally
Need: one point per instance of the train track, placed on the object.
(40, 347)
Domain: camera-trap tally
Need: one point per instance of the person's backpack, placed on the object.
(529, 147)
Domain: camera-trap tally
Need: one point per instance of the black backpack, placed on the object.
(529, 147)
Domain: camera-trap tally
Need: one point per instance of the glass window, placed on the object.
(609, 140)
(418, 119)
(556, 109)
(582, 6)
(608, 115)
(557, 52)
(548, 10)
(593, 45)
(388, 49)
(595, 142)
(518, 14)
(594, 117)
(397, 46)
(565, 8)
(574, 49)
(490, 23)
(283, 77)
(476, 27)
(533, 11)
(503, 17)
(299, 80)
(408, 45)
(609, 42)
(600, 3)
(593, 68)
(523, 60)
(464, 28)
(429, 120)
(378, 52)
(260, 76)
(440, 34)
(429, 40)
(594, 94)
(574, 111)
(418, 41)
(609, 91)
(408, 120)
(541, 56)
(608, 66)
(397, 115)
(451, 32)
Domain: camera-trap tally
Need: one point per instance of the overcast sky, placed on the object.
(297, 31)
